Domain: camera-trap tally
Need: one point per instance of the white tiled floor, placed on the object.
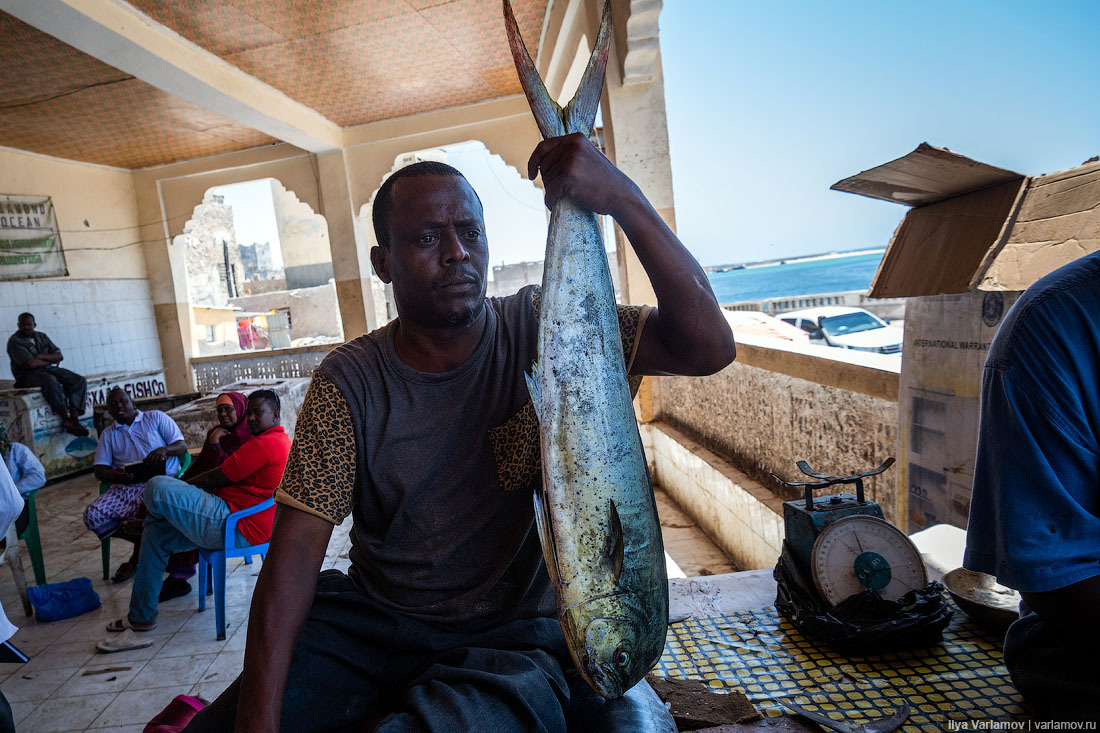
(67, 686)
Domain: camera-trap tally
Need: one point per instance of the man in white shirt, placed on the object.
(11, 504)
(149, 438)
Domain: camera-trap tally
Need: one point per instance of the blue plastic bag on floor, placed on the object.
(56, 601)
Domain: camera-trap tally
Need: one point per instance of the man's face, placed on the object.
(438, 254)
(121, 407)
(26, 326)
(260, 415)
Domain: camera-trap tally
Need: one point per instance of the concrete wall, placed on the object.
(95, 209)
(99, 325)
(315, 312)
(303, 238)
(100, 315)
(739, 515)
(776, 405)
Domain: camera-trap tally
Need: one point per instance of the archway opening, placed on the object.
(259, 271)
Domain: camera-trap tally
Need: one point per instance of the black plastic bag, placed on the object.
(864, 623)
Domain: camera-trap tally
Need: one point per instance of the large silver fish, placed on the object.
(595, 511)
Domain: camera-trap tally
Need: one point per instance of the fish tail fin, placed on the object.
(580, 113)
(533, 386)
(547, 113)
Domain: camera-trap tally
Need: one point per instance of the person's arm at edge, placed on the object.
(687, 334)
(33, 473)
(280, 604)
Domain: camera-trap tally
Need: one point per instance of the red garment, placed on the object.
(256, 468)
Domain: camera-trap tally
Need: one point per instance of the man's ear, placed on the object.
(378, 255)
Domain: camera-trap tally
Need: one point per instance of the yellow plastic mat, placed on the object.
(761, 654)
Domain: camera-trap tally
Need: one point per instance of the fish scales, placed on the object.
(596, 512)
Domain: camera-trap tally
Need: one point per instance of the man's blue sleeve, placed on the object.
(1034, 520)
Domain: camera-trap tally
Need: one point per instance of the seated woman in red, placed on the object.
(222, 441)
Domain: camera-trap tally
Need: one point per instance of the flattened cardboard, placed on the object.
(938, 247)
(925, 176)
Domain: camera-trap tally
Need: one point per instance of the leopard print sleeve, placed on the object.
(320, 472)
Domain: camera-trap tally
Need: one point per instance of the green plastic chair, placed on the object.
(105, 543)
(32, 539)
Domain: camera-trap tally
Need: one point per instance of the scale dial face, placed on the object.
(860, 552)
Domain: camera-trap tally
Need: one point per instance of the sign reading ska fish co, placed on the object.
(30, 244)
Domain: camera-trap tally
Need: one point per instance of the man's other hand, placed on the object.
(157, 455)
(572, 166)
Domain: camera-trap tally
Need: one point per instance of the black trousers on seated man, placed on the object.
(356, 662)
(63, 390)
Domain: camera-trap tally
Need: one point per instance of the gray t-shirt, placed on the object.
(21, 348)
(437, 470)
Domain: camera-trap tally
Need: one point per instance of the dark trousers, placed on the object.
(1057, 676)
(63, 390)
(357, 662)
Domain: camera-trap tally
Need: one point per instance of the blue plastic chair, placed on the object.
(212, 562)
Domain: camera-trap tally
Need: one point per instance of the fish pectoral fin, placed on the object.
(613, 550)
(533, 386)
(547, 113)
(549, 552)
(580, 113)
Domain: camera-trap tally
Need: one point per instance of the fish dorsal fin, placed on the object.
(580, 113)
(533, 386)
(613, 550)
(549, 552)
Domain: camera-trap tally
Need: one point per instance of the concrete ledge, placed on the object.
(737, 513)
(246, 355)
(876, 375)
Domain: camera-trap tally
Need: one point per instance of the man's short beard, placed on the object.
(466, 317)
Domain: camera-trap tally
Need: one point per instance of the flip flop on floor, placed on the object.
(124, 642)
(124, 623)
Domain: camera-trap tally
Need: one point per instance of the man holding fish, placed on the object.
(425, 431)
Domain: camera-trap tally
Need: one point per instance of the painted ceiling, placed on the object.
(59, 101)
(353, 61)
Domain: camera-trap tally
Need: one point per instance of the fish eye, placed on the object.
(622, 658)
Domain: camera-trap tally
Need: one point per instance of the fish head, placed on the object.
(610, 661)
(616, 639)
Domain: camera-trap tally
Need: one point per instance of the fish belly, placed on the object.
(591, 450)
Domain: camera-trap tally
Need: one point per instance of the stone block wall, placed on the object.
(743, 518)
(774, 407)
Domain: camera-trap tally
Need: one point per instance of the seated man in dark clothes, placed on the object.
(184, 515)
(34, 363)
(1035, 512)
(424, 431)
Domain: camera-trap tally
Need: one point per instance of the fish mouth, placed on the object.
(607, 683)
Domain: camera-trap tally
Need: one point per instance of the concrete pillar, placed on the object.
(350, 260)
(636, 138)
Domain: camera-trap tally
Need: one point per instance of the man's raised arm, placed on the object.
(280, 604)
(687, 334)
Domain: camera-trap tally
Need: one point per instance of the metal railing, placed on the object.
(211, 372)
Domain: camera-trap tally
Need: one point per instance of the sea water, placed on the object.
(834, 275)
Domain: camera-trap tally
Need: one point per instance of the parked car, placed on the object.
(759, 323)
(847, 328)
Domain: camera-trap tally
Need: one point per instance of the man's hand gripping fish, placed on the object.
(596, 514)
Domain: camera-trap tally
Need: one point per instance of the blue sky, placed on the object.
(770, 103)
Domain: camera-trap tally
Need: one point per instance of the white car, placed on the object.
(847, 328)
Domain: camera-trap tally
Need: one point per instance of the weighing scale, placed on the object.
(844, 543)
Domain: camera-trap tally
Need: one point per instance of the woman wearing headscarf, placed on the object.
(222, 441)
